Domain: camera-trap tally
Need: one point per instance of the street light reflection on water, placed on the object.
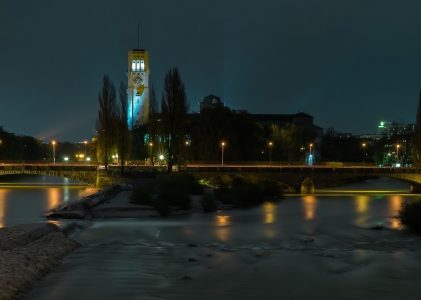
(309, 205)
(3, 204)
(222, 230)
(25, 199)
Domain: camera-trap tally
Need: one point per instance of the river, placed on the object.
(26, 198)
(344, 243)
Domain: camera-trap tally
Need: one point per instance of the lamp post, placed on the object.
(187, 143)
(310, 157)
(397, 152)
(1, 143)
(222, 152)
(363, 145)
(54, 151)
(86, 143)
(270, 145)
(150, 152)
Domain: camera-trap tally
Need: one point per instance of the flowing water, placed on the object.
(329, 245)
(26, 198)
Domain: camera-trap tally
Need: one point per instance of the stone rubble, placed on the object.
(27, 253)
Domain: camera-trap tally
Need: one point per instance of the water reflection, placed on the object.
(3, 204)
(362, 203)
(222, 228)
(269, 210)
(53, 199)
(395, 204)
(309, 205)
(222, 220)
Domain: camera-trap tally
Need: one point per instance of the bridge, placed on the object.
(319, 176)
(88, 174)
(292, 175)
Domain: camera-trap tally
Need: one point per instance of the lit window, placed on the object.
(142, 65)
(133, 65)
(137, 65)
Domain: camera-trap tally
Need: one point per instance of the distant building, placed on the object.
(395, 129)
(211, 101)
(299, 119)
(137, 87)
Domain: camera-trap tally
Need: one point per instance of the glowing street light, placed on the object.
(310, 156)
(397, 152)
(54, 151)
(364, 145)
(150, 146)
(270, 145)
(222, 152)
(187, 143)
(85, 143)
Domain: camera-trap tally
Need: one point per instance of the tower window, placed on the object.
(142, 65)
(137, 65)
(133, 65)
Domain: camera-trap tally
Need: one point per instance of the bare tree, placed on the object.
(123, 127)
(105, 123)
(152, 126)
(173, 109)
(416, 155)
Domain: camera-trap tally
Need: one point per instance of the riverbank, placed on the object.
(299, 248)
(27, 253)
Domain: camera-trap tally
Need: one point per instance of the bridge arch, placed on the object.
(87, 175)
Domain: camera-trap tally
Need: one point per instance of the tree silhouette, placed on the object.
(123, 127)
(416, 157)
(106, 121)
(173, 110)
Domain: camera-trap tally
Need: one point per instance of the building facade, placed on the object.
(137, 87)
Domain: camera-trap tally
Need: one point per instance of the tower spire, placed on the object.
(138, 35)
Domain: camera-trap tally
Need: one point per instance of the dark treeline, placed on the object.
(17, 148)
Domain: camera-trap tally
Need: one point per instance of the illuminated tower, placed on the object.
(138, 87)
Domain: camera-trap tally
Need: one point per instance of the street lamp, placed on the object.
(310, 156)
(187, 143)
(86, 143)
(363, 145)
(150, 153)
(397, 152)
(222, 152)
(270, 145)
(54, 151)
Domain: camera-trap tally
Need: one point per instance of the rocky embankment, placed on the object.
(83, 208)
(27, 253)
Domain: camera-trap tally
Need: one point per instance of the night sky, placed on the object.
(349, 63)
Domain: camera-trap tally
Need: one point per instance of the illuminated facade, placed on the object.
(138, 87)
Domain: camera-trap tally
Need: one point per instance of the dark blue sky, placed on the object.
(349, 63)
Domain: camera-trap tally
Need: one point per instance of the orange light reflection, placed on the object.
(310, 204)
(3, 194)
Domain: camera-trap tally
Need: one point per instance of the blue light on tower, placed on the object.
(137, 87)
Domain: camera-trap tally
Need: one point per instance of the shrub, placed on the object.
(271, 188)
(175, 198)
(162, 206)
(141, 195)
(242, 193)
(184, 182)
(410, 216)
(208, 203)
